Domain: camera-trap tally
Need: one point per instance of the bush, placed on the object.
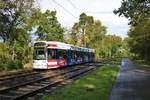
(10, 64)
(2, 66)
(14, 64)
(116, 61)
(13, 57)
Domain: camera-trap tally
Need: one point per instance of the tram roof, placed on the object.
(65, 46)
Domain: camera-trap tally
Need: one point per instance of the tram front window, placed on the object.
(39, 54)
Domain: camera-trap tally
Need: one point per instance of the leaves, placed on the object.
(134, 10)
(14, 31)
(138, 12)
(13, 15)
(139, 38)
(91, 33)
(48, 27)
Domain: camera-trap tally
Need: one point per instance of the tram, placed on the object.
(53, 54)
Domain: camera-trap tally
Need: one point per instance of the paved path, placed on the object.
(131, 84)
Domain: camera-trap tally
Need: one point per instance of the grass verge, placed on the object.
(142, 64)
(96, 85)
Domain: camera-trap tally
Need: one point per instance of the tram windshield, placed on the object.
(39, 54)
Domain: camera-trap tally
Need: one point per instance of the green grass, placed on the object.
(144, 65)
(116, 61)
(96, 85)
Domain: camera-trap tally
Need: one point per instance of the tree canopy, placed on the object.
(91, 33)
(14, 32)
(134, 10)
(138, 12)
(47, 26)
(13, 16)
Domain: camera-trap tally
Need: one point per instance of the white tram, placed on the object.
(52, 54)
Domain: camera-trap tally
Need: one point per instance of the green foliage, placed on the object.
(139, 39)
(12, 64)
(4, 52)
(138, 12)
(13, 57)
(74, 36)
(48, 28)
(13, 15)
(115, 61)
(125, 48)
(112, 45)
(6, 58)
(95, 86)
(17, 19)
(14, 50)
(91, 33)
(134, 10)
(81, 31)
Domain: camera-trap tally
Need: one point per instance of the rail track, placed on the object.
(20, 87)
(23, 74)
(14, 80)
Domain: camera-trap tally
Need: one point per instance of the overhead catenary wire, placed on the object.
(64, 9)
(95, 12)
(72, 4)
(99, 12)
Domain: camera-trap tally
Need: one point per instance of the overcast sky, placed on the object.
(68, 12)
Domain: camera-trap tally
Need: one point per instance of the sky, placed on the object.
(68, 12)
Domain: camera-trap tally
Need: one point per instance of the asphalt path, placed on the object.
(132, 83)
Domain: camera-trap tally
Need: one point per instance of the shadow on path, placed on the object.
(131, 83)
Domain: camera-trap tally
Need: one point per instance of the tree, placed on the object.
(74, 34)
(110, 46)
(139, 39)
(92, 34)
(134, 10)
(125, 48)
(96, 38)
(138, 12)
(13, 15)
(14, 31)
(82, 30)
(48, 27)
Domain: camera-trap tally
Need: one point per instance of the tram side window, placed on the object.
(79, 55)
(51, 53)
(61, 54)
(89, 56)
(93, 56)
(73, 55)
